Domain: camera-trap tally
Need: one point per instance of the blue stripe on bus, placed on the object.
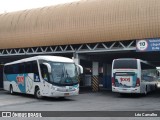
(19, 79)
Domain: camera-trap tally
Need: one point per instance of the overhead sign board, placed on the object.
(148, 45)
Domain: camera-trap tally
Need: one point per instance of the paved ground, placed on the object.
(102, 101)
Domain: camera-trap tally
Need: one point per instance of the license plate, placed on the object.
(66, 94)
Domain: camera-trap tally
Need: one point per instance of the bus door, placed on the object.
(45, 79)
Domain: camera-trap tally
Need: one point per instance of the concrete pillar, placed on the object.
(76, 58)
(77, 61)
(95, 80)
(107, 69)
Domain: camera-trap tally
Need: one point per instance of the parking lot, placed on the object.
(86, 101)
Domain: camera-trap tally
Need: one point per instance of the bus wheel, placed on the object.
(38, 93)
(11, 90)
(61, 98)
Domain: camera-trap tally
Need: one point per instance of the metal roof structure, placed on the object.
(87, 21)
(73, 49)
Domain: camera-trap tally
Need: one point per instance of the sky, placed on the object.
(16, 5)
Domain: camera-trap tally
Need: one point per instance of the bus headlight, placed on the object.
(64, 89)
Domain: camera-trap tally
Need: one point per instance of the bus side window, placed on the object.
(21, 68)
(44, 72)
(28, 67)
(15, 69)
(35, 68)
(31, 67)
(8, 69)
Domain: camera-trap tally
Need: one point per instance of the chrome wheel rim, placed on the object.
(38, 94)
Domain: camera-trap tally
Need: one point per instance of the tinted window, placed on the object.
(8, 69)
(15, 69)
(21, 68)
(146, 66)
(44, 72)
(130, 64)
(35, 68)
(28, 67)
(31, 67)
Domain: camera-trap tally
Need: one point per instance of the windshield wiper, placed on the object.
(62, 76)
(68, 76)
(66, 79)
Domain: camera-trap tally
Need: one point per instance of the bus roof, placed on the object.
(146, 62)
(47, 58)
(126, 59)
(130, 59)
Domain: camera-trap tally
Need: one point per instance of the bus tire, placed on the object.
(37, 93)
(61, 98)
(11, 90)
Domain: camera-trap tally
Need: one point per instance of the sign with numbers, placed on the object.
(148, 45)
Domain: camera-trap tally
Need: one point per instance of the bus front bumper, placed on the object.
(126, 90)
(64, 94)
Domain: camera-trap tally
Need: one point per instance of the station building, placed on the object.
(93, 32)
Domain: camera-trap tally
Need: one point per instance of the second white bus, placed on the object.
(133, 76)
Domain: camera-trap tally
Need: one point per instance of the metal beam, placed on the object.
(81, 48)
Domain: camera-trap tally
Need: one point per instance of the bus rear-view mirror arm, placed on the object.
(48, 67)
(80, 69)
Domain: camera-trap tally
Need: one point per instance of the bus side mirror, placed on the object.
(79, 69)
(48, 67)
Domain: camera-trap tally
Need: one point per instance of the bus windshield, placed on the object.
(64, 73)
(129, 64)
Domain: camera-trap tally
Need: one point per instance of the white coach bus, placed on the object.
(50, 76)
(133, 76)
